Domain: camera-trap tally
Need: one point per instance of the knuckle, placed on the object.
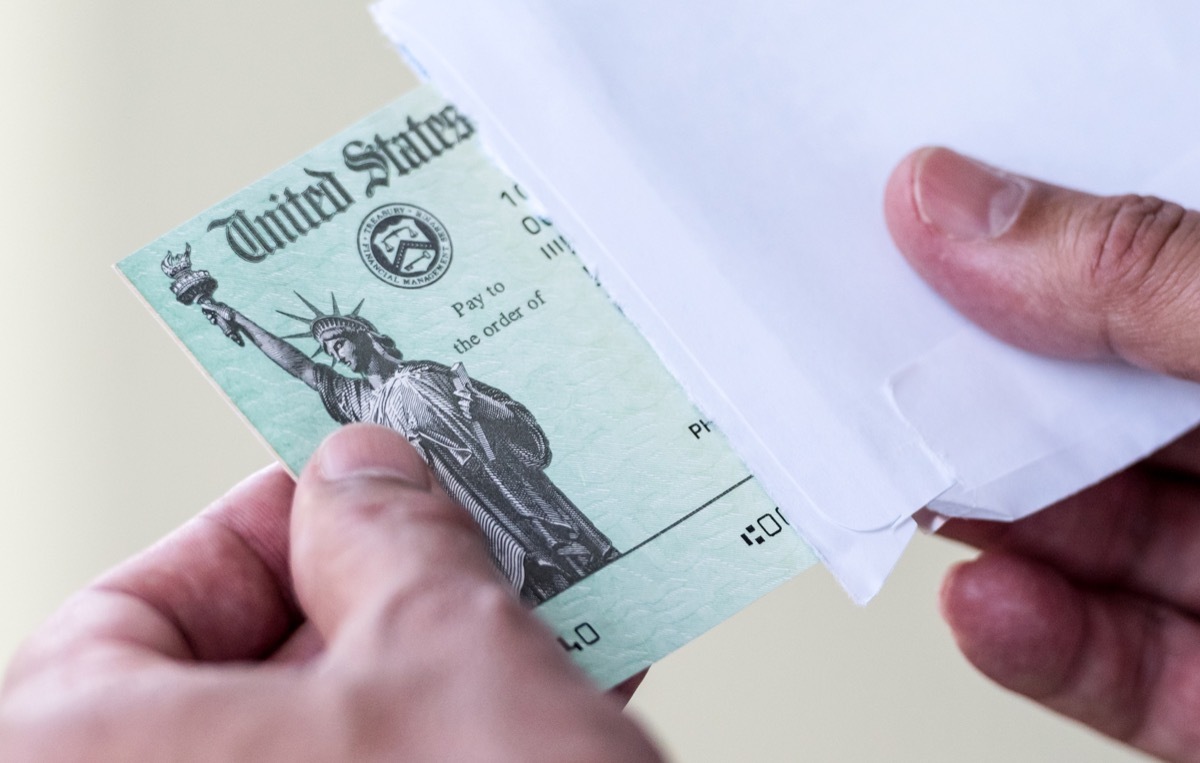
(424, 528)
(495, 607)
(1138, 236)
(433, 603)
(369, 708)
(454, 608)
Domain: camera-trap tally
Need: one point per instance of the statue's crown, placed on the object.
(326, 326)
(323, 326)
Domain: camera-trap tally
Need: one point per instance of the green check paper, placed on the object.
(395, 275)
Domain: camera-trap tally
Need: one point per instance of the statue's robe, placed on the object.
(489, 453)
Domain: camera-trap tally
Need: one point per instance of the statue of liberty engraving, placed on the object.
(485, 448)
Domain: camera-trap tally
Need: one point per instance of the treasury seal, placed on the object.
(404, 245)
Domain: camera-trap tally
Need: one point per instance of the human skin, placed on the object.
(354, 615)
(381, 631)
(1091, 607)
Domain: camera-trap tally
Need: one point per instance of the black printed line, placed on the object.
(690, 514)
(660, 533)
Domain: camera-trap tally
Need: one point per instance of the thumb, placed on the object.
(372, 530)
(431, 654)
(1050, 269)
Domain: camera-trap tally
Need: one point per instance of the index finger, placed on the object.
(216, 589)
(1129, 532)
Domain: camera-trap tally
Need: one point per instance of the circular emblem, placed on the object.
(404, 246)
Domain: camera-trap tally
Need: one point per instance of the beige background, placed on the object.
(122, 119)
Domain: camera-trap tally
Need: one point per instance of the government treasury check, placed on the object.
(395, 275)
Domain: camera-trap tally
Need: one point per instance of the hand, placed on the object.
(225, 318)
(384, 632)
(218, 311)
(1091, 607)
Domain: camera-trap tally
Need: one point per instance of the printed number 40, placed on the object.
(585, 633)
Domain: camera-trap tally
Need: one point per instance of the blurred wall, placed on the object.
(122, 119)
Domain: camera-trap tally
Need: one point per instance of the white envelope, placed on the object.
(720, 166)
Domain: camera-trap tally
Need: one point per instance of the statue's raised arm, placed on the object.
(192, 286)
(287, 357)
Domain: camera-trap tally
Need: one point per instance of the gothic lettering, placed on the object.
(292, 216)
(420, 142)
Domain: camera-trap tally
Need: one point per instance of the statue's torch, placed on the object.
(196, 286)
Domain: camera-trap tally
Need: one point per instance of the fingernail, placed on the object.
(359, 451)
(966, 199)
